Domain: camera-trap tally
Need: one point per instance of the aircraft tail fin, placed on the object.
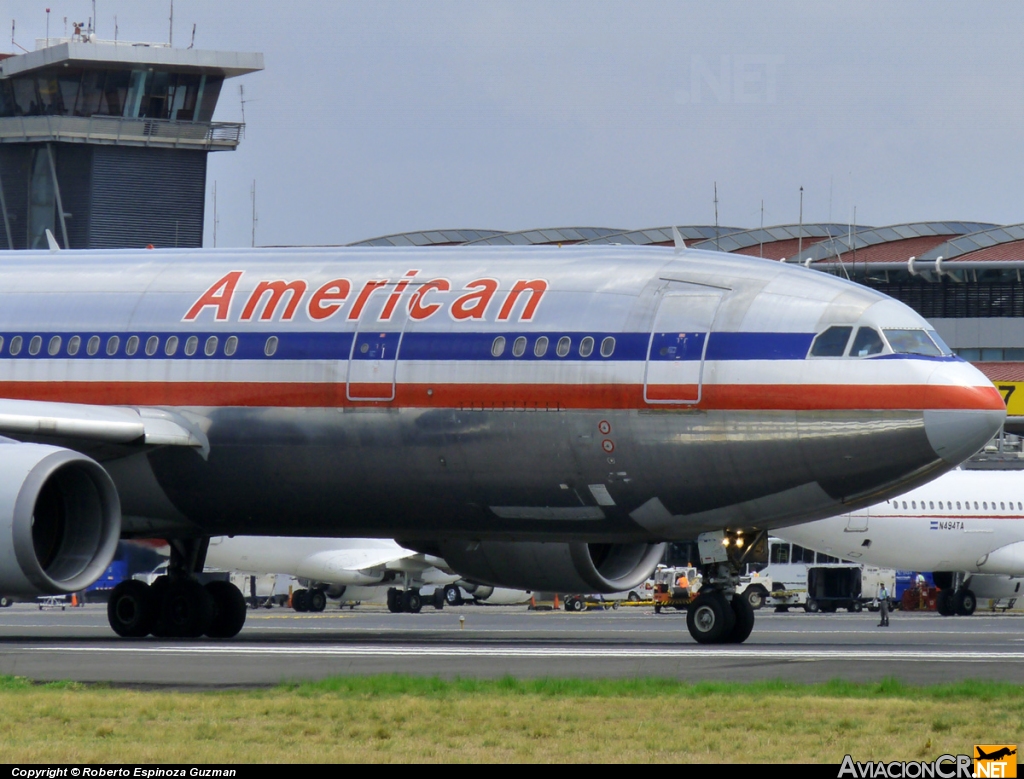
(51, 242)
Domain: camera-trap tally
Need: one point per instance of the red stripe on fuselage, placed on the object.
(791, 397)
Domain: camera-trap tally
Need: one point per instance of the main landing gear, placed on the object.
(718, 615)
(954, 597)
(177, 605)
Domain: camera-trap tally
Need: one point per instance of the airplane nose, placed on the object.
(963, 411)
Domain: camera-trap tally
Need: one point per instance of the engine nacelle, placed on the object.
(554, 567)
(60, 520)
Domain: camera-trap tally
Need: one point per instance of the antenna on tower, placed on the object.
(241, 97)
(193, 43)
(170, 33)
(92, 22)
(717, 247)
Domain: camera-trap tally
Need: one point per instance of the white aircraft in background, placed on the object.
(354, 568)
(966, 527)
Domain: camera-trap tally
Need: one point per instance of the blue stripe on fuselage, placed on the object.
(430, 346)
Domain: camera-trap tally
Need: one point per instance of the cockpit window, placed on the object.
(940, 343)
(831, 343)
(867, 342)
(912, 342)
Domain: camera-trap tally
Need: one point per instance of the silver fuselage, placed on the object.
(402, 392)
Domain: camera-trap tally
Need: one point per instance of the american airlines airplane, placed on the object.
(966, 527)
(541, 418)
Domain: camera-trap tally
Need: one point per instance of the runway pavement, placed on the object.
(474, 641)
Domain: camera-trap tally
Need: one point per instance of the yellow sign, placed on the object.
(995, 760)
(1013, 396)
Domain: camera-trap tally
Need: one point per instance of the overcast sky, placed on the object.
(381, 117)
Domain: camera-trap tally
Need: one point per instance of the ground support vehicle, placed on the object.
(668, 593)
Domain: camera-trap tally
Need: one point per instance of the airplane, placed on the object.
(999, 753)
(542, 418)
(337, 567)
(966, 527)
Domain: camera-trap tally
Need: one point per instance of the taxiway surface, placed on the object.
(279, 645)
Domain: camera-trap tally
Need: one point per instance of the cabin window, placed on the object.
(112, 343)
(564, 345)
(152, 344)
(191, 344)
(131, 346)
(519, 347)
(54, 346)
(16, 345)
(270, 349)
(958, 504)
(913, 504)
(975, 505)
(586, 346)
(540, 346)
(73, 345)
(230, 346)
(931, 505)
(831, 343)
(93, 345)
(498, 347)
(1002, 507)
(867, 342)
(607, 347)
(211, 346)
(171, 345)
(984, 505)
(35, 345)
(904, 504)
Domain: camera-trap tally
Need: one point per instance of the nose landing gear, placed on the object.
(718, 615)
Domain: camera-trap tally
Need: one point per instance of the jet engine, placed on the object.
(554, 567)
(60, 520)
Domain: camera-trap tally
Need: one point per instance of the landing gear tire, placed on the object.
(439, 599)
(453, 595)
(229, 610)
(157, 591)
(394, 601)
(744, 620)
(944, 603)
(186, 610)
(5, 602)
(811, 606)
(633, 597)
(964, 602)
(710, 618)
(755, 596)
(300, 600)
(130, 609)
(412, 602)
(316, 600)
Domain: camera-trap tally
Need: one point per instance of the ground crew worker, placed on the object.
(683, 583)
(883, 606)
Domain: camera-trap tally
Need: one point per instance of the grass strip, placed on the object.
(400, 719)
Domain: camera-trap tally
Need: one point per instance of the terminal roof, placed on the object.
(663, 235)
(429, 238)
(994, 243)
(547, 235)
(931, 232)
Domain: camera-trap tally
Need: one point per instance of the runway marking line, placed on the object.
(450, 651)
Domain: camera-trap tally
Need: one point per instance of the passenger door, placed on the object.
(674, 371)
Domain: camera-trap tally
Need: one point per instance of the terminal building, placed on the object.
(104, 143)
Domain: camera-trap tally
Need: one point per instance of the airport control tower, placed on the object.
(104, 143)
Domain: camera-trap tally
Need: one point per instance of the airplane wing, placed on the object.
(99, 424)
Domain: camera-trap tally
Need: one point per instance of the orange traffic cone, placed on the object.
(74, 599)
(533, 603)
(556, 602)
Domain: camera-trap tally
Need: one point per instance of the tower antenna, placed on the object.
(717, 247)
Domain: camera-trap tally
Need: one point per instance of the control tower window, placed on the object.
(831, 343)
(867, 342)
(912, 342)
